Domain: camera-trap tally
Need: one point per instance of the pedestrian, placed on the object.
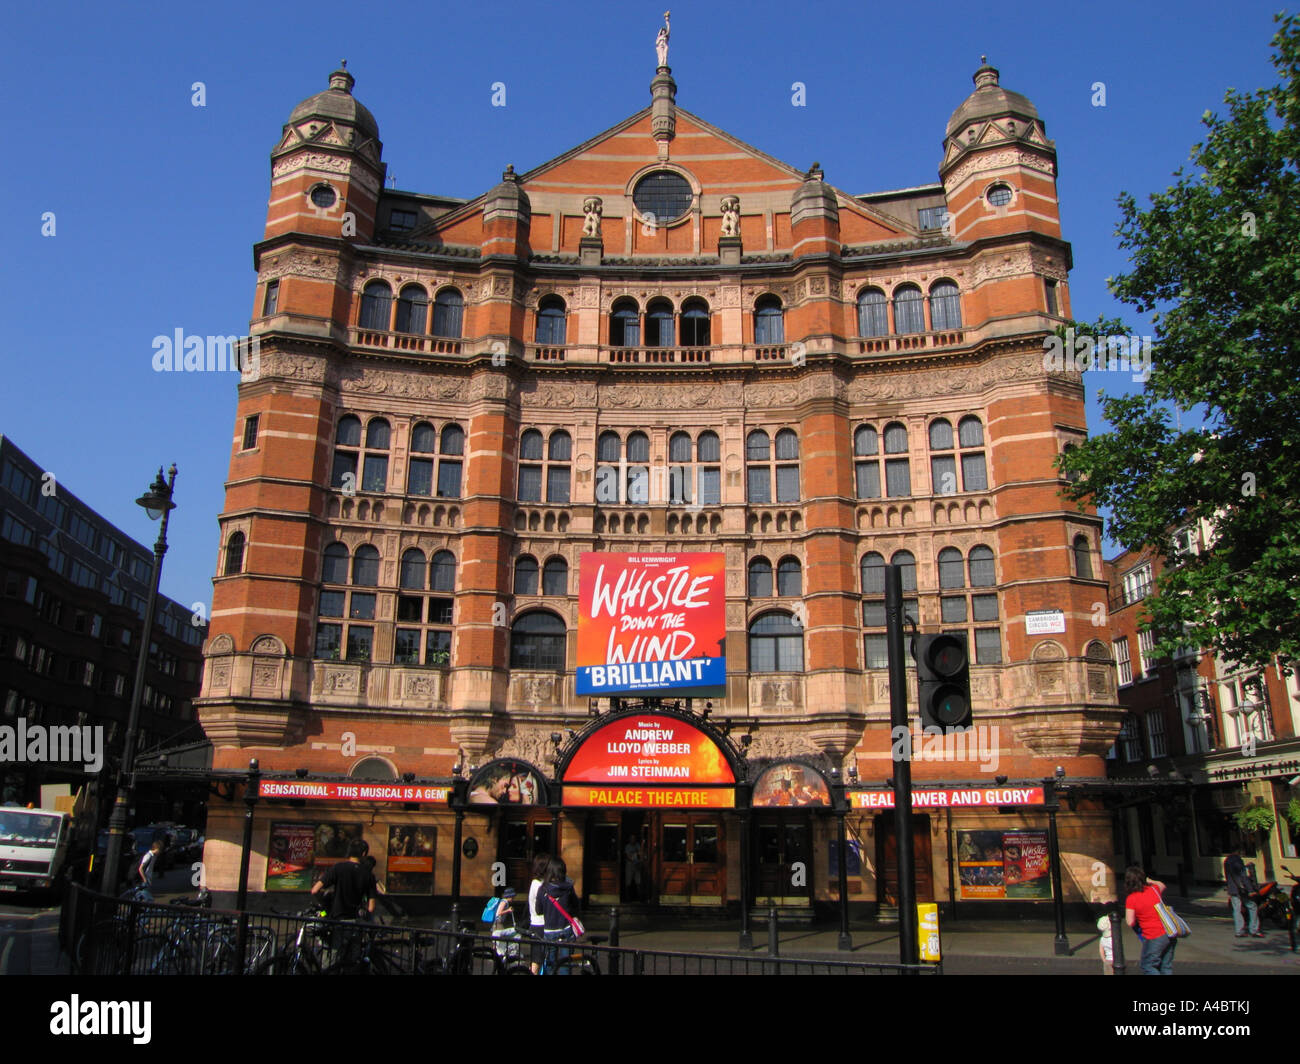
(505, 934)
(1140, 914)
(148, 867)
(557, 902)
(536, 921)
(354, 894)
(1106, 945)
(632, 870)
(1239, 893)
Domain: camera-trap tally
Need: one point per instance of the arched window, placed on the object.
(943, 467)
(448, 308)
(945, 306)
(873, 313)
(974, 474)
(708, 448)
(530, 476)
(442, 571)
(638, 476)
(789, 578)
(412, 309)
(412, 571)
(526, 576)
(334, 568)
(866, 445)
(537, 641)
(624, 324)
(550, 320)
(347, 441)
(775, 644)
(769, 321)
(758, 470)
(1082, 558)
(453, 440)
(365, 567)
(905, 560)
(873, 574)
(423, 439)
(787, 446)
(981, 567)
(898, 471)
(659, 324)
(609, 453)
(760, 578)
(374, 469)
(695, 323)
(757, 445)
(952, 569)
(559, 451)
(555, 577)
(530, 446)
(234, 555)
(909, 310)
(376, 306)
(679, 447)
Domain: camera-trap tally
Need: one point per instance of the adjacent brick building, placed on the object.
(72, 599)
(1229, 735)
(661, 340)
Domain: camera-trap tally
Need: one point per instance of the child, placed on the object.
(505, 935)
(1107, 946)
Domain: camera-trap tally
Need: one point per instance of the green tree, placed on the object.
(1216, 262)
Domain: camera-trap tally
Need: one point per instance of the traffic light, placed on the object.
(943, 674)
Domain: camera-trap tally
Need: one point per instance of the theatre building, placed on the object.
(668, 353)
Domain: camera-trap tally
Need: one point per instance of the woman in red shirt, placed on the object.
(1140, 913)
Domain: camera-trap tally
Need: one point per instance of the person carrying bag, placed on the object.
(1157, 924)
(557, 901)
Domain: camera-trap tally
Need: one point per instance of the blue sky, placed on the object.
(157, 202)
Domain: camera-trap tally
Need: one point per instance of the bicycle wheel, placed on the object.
(158, 955)
(518, 968)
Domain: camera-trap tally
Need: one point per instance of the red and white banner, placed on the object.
(318, 790)
(950, 797)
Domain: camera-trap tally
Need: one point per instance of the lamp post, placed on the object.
(157, 503)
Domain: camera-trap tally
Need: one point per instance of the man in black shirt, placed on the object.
(354, 885)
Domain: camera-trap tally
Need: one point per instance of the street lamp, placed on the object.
(157, 503)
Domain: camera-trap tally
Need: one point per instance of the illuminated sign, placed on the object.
(651, 623)
(951, 797)
(354, 792)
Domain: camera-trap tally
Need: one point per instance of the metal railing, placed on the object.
(117, 936)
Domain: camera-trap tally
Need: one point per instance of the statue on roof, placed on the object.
(661, 42)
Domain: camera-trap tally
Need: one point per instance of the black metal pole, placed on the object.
(455, 869)
(1060, 944)
(845, 939)
(1117, 939)
(901, 741)
(773, 934)
(746, 826)
(126, 774)
(952, 868)
(245, 852)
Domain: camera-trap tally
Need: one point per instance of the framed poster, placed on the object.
(411, 850)
(1004, 865)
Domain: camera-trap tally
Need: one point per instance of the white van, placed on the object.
(33, 848)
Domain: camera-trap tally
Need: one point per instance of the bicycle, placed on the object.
(462, 957)
(565, 956)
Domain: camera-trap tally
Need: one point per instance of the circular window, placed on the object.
(1000, 195)
(664, 196)
(323, 196)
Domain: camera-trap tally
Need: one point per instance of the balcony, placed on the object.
(929, 341)
(396, 341)
(657, 355)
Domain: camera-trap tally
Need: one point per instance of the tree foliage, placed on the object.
(1216, 262)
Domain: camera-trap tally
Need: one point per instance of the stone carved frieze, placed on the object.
(372, 380)
(564, 394)
(987, 160)
(622, 396)
(914, 383)
(291, 367)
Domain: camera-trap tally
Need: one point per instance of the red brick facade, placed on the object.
(503, 318)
